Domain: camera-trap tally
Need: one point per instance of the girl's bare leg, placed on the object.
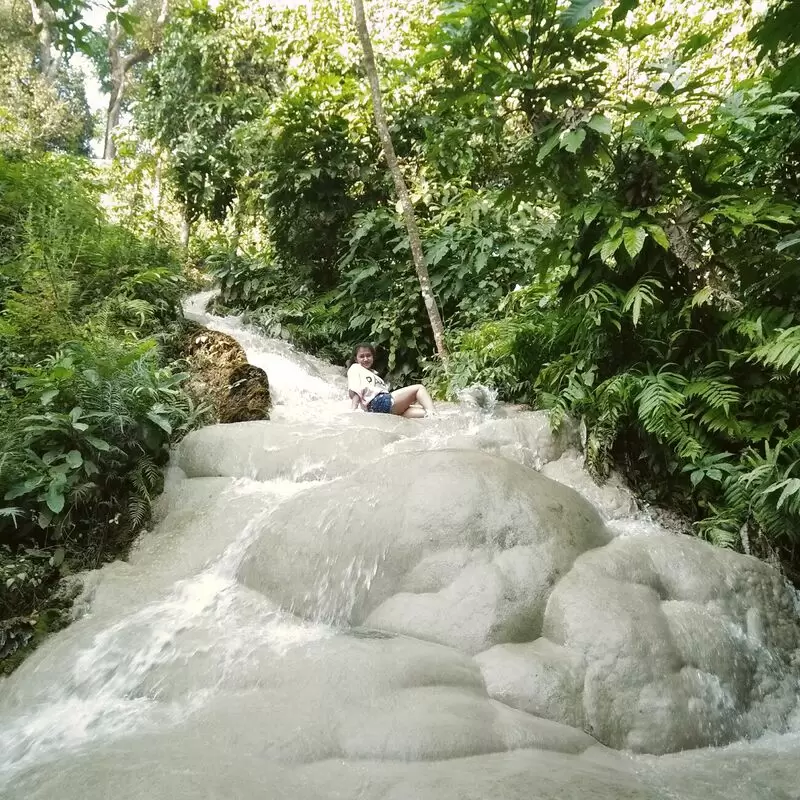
(414, 412)
(403, 399)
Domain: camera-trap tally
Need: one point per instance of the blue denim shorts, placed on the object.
(380, 404)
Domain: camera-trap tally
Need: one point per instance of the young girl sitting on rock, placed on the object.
(369, 391)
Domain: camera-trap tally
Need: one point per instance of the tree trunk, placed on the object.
(186, 228)
(157, 186)
(120, 66)
(114, 105)
(43, 18)
(400, 184)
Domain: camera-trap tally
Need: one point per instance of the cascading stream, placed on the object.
(301, 387)
(335, 604)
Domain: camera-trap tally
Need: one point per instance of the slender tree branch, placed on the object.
(409, 218)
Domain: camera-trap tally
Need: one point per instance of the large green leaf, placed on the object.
(573, 140)
(160, 421)
(548, 147)
(622, 9)
(634, 239)
(609, 247)
(601, 124)
(55, 497)
(792, 240)
(579, 10)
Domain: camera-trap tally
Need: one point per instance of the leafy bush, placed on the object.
(65, 272)
(87, 409)
(97, 429)
(319, 170)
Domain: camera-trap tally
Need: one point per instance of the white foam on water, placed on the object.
(100, 697)
(111, 689)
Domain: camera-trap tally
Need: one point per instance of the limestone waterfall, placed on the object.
(333, 604)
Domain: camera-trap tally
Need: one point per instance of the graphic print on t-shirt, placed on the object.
(365, 383)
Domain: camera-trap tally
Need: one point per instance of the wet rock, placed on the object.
(523, 436)
(181, 766)
(183, 683)
(66, 591)
(333, 716)
(221, 375)
(266, 451)
(653, 643)
(453, 546)
(613, 499)
(538, 677)
(662, 627)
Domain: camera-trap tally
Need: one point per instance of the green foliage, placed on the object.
(281, 305)
(23, 577)
(38, 114)
(87, 410)
(99, 423)
(778, 38)
(544, 53)
(215, 73)
(319, 170)
(38, 111)
(66, 273)
(478, 248)
(607, 195)
(672, 328)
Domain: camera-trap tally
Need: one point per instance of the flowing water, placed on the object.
(340, 605)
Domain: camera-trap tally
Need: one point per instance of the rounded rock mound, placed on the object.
(272, 450)
(657, 644)
(221, 375)
(458, 547)
(651, 643)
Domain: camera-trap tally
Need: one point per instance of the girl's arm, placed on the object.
(354, 399)
(353, 386)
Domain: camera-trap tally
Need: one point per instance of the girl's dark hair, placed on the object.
(362, 346)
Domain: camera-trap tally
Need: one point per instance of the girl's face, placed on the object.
(364, 357)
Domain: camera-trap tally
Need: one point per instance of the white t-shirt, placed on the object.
(365, 383)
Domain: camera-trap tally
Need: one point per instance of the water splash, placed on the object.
(116, 684)
(112, 689)
(478, 398)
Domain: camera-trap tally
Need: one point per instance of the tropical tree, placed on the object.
(215, 73)
(132, 37)
(42, 98)
(400, 185)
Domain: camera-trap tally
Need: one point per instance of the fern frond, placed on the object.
(764, 395)
(148, 473)
(757, 325)
(599, 294)
(788, 495)
(773, 521)
(642, 293)
(781, 352)
(138, 510)
(721, 528)
(719, 421)
(82, 492)
(716, 393)
(660, 404)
